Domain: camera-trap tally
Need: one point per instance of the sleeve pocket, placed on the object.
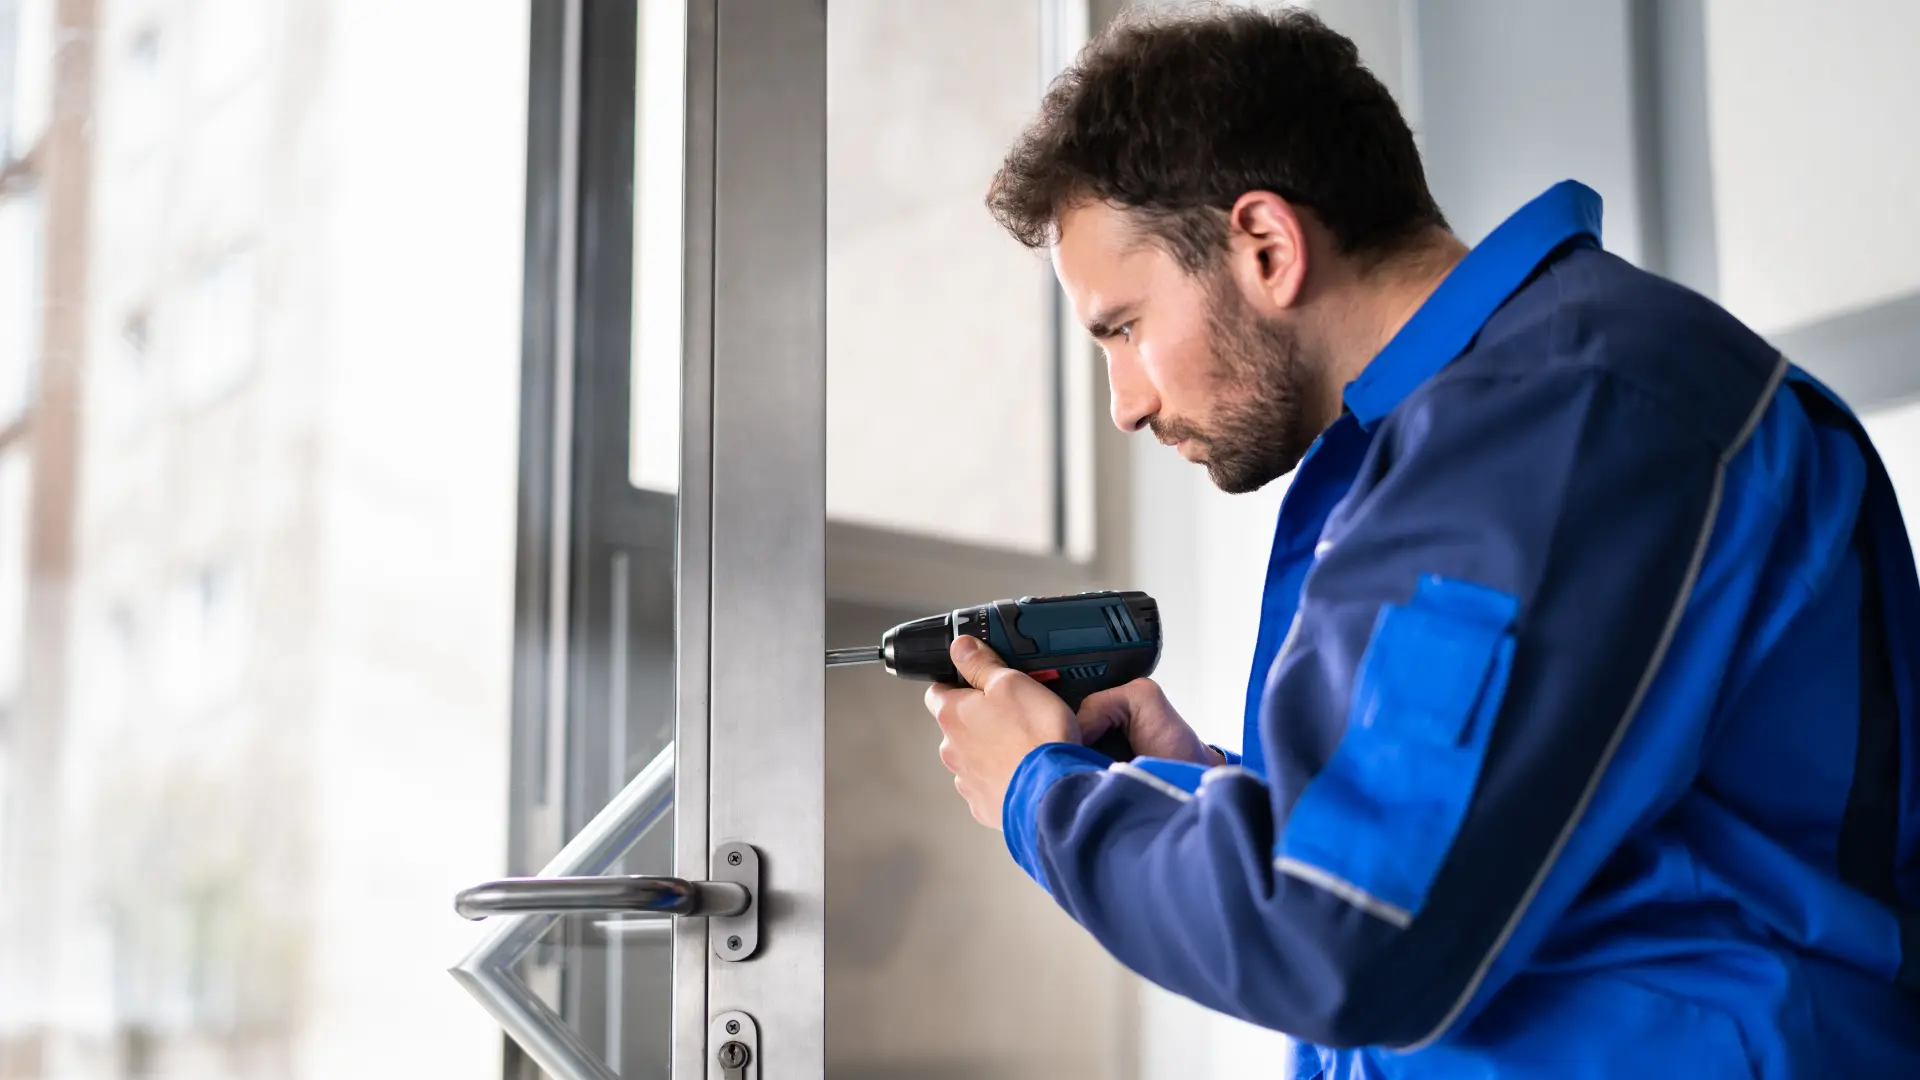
(1376, 823)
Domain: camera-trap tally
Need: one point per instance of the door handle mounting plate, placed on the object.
(735, 937)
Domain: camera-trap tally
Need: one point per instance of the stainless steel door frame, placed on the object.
(692, 647)
(767, 687)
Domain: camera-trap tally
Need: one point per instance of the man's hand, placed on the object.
(1141, 711)
(989, 730)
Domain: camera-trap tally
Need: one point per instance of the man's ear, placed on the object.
(1267, 245)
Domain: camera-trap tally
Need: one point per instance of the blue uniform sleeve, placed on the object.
(1491, 601)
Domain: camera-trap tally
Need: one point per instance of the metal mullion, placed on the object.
(538, 514)
(535, 825)
(602, 362)
(693, 617)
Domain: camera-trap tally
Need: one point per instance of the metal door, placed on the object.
(665, 904)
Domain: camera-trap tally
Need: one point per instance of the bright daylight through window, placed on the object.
(259, 354)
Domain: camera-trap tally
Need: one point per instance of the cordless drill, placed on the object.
(1074, 645)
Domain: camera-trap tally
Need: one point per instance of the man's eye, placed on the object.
(1125, 333)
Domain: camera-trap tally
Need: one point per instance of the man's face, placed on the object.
(1188, 356)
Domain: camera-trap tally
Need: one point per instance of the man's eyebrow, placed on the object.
(1108, 320)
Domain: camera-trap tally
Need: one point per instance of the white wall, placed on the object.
(1817, 176)
(1519, 96)
(1816, 162)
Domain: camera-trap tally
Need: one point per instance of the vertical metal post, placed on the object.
(692, 638)
(768, 575)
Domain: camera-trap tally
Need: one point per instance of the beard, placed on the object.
(1266, 383)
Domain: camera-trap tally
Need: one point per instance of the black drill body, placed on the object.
(1074, 645)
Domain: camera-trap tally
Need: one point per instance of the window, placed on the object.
(958, 403)
(218, 338)
(15, 480)
(291, 614)
(126, 381)
(136, 99)
(204, 640)
(30, 93)
(658, 232)
(962, 403)
(104, 703)
(15, 490)
(143, 57)
(231, 43)
(21, 265)
(234, 149)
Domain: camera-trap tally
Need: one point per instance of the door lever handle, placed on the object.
(730, 900)
(560, 895)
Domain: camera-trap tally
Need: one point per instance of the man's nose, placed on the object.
(1132, 399)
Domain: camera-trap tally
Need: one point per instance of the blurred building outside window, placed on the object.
(21, 251)
(126, 378)
(218, 338)
(15, 481)
(26, 73)
(259, 348)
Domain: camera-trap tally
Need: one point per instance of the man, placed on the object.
(1580, 736)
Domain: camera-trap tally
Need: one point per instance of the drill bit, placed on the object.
(865, 654)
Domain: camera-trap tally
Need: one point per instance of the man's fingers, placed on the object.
(1115, 707)
(977, 663)
(1103, 711)
(941, 699)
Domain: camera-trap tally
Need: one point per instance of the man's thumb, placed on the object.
(975, 661)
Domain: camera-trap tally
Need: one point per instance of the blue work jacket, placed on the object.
(1581, 735)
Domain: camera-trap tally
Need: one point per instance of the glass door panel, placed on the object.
(580, 976)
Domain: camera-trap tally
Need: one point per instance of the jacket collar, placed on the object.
(1494, 270)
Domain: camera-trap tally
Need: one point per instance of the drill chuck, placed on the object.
(918, 649)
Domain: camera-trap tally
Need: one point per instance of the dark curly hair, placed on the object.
(1176, 116)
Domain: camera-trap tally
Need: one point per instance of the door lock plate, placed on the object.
(735, 937)
(733, 1047)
